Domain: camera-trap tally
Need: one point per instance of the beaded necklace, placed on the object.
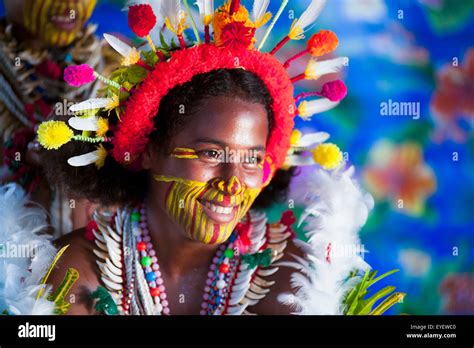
(223, 265)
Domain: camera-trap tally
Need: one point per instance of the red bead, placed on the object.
(224, 268)
(141, 246)
(154, 292)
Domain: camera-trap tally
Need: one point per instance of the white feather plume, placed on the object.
(118, 45)
(90, 104)
(259, 12)
(336, 209)
(317, 69)
(84, 160)
(308, 17)
(20, 273)
(84, 123)
(310, 108)
(206, 10)
(172, 10)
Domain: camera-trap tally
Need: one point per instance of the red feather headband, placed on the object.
(131, 138)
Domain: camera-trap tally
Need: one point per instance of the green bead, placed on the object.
(229, 253)
(136, 217)
(146, 261)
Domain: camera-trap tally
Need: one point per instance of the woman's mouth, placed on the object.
(219, 213)
(64, 22)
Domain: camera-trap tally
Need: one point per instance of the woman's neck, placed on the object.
(177, 254)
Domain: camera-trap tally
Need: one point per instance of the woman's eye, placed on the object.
(210, 155)
(253, 162)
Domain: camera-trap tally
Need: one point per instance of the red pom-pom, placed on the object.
(288, 218)
(49, 69)
(334, 91)
(237, 36)
(92, 225)
(243, 240)
(141, 19)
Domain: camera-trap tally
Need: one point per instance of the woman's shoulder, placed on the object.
(80, 256)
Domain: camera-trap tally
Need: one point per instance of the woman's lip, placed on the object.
(219, 217)
(64, 22)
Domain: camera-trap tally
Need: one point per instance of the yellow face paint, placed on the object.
(184, 153)
(55, 22)
(207, 212)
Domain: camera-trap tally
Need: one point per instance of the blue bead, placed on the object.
(150, 276)
(218, 300)
(233, 237)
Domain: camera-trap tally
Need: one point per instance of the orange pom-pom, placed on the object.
(325, 41)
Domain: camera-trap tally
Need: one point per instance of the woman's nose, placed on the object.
(231, 186)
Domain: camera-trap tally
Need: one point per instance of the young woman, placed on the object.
(187, 142)
(226, 111)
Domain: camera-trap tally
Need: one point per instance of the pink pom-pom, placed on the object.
(334, 91)
(78, 75)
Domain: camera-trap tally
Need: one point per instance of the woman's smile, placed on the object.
(218, 212)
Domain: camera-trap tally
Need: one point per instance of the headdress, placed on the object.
(133, 92)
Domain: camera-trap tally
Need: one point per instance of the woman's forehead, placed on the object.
(228, 121)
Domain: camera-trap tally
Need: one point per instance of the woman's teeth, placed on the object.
(218, 208)
(63, 19)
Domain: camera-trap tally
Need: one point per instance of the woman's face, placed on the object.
(53, 22)
(214, 171)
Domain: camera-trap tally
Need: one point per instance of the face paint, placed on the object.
(54, 22)
(207, 212)
(184, 153)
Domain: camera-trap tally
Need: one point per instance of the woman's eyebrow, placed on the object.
(223, 144)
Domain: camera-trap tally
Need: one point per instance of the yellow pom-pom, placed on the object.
(54, 134)
(113, 102)
(328, 156)
(132, 58)
(102, 127)
(101, 154)
(295, 137)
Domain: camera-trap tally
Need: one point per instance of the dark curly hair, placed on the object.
(113, 184)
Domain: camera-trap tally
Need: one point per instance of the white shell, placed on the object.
(110, 284)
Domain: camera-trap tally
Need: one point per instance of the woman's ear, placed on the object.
(147, 158)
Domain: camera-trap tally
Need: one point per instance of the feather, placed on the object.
(336, 209)
(316, 69)
(118, 45)
(206, 10)
(90, 104)
(84, 123)
(20, 276)
(308, 17)
(171, 10)
(84, 160)
(307, 109)
(259, 12)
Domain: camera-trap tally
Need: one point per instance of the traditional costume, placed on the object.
(329, 279)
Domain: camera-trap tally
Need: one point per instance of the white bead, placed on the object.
(158, 308)
(220, 284)
(137, 231)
